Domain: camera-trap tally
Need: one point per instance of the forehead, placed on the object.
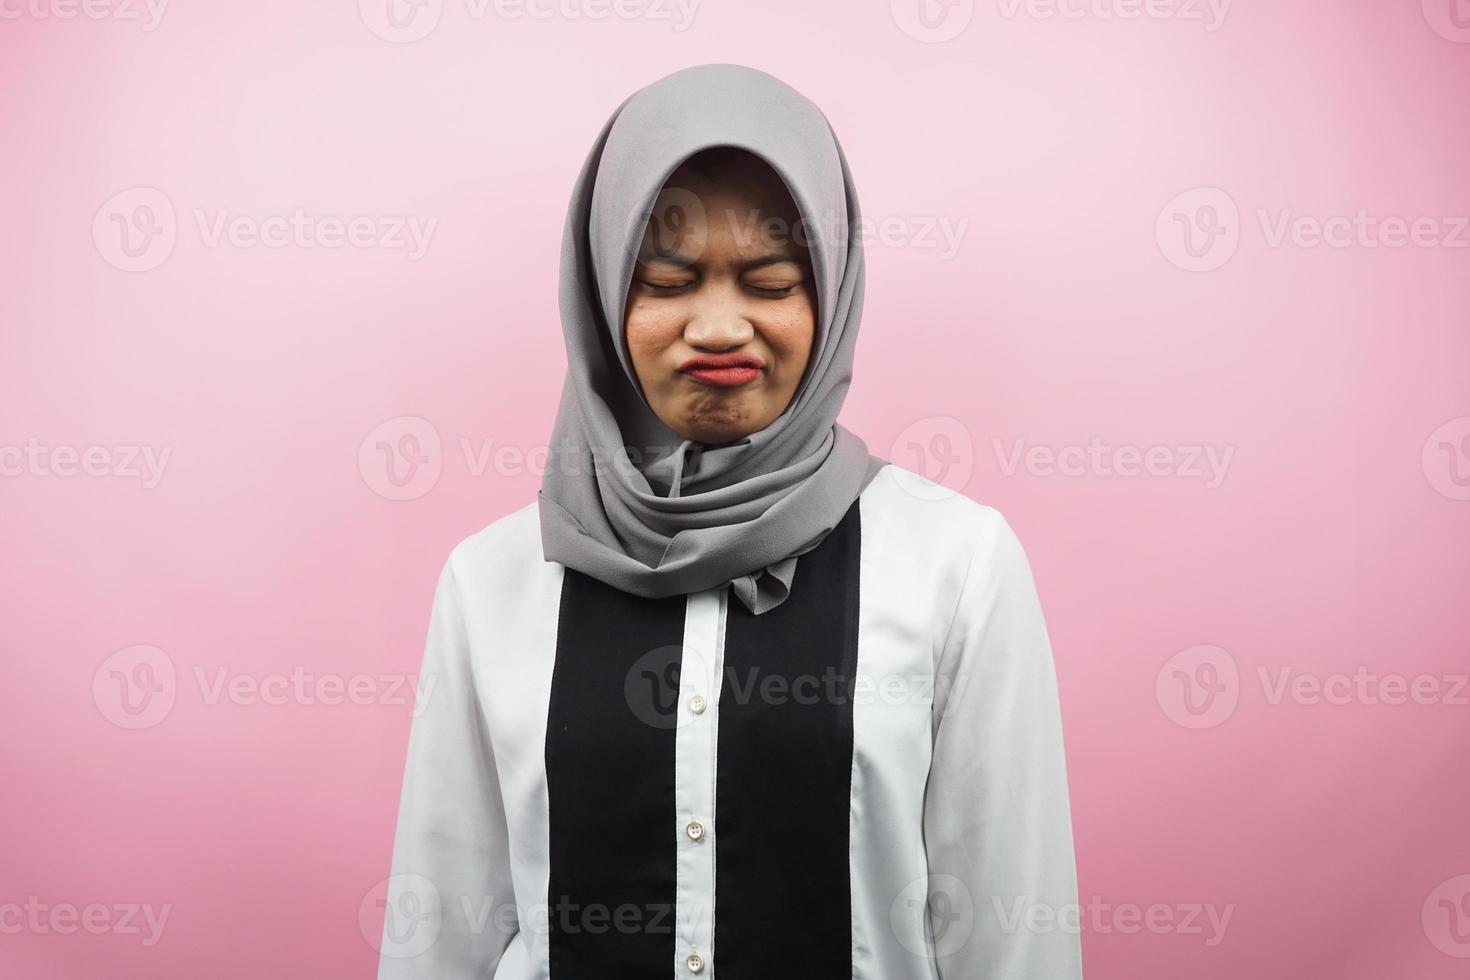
(735, 203)
(726, 178)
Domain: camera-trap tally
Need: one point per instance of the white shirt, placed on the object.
(603, 786)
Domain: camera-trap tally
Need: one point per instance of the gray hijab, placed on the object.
(625, 499)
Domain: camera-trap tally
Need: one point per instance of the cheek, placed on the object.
(790, 331)
(649, 329)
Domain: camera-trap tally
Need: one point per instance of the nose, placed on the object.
(718, 325)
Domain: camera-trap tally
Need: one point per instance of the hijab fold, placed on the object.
(627, 500)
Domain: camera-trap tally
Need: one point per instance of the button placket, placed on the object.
(697, 719)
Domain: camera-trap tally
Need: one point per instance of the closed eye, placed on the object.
(667, 288)
(773, 292)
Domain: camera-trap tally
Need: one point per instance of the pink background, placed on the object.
(1332, 383)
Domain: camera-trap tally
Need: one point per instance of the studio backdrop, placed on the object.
(1180, 287)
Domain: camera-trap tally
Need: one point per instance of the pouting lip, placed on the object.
(706, 361)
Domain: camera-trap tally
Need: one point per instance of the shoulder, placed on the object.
(927, 540)
(902, 502)
(502, 553)
(992, 609)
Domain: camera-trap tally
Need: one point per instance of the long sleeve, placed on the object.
(997, 818)
(450, 907)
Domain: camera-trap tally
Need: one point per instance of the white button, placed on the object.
(696, 704)
(694, 962)
(694, 829)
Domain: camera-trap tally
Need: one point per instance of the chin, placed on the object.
(716, 433)
(716, 420)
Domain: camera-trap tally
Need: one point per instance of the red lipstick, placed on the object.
(723, 370)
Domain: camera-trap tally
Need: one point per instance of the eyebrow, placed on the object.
(674, 259)
(770, 258)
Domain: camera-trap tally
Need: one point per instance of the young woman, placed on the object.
(732, 696)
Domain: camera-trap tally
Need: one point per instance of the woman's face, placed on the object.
(722, 308)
